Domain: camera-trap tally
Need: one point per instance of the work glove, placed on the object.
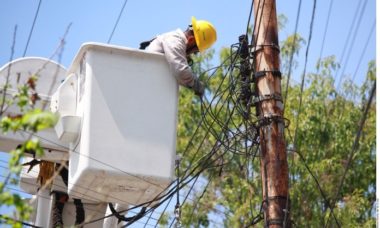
(198, 87)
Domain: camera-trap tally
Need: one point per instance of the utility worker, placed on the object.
(178, 45)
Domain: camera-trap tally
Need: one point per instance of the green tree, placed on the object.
(29, 119)
(216, 137)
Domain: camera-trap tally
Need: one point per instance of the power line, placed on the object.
(117, 21)
(354, 21)
(292, 53)
(6, 218)
(354, 148)
(352, 42)
(31, 30)
(364, 50)
(90, 157)
(348, 37)
(325, 32)
(201, 164)
(249, 17)
(304, 74)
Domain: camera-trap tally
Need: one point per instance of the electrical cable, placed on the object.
(325, 32)
(326, 201)
(304, 74)
(352, 43)
(203, 162)
(32, 28)
(117, 21)
(364, 50)
(302, 85)
(354, 148)
(292, 53)
(351, 29)
(6, 218)
(249, 17)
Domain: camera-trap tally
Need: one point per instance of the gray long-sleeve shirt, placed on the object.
(173, 46)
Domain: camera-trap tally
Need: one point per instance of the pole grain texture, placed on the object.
(267, 77)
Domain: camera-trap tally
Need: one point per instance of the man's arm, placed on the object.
(175, 53)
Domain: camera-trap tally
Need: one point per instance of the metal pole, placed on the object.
(44, 206)
(269, 108)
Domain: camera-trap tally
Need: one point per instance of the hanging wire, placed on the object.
(323, 194)
(355, 30)
(325, 32)
(32, 28)
(249, 17)
(354, 148)
(117, 21)
(364, 50)
(304, 74)
(6, 218)
(292, 54)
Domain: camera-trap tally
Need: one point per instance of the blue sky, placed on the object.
(142, 20)
(93, 21)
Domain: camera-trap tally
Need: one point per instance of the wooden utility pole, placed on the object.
(269, 108)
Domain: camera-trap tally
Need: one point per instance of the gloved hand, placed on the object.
(198, 87)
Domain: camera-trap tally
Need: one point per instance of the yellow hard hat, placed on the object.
(204, 33)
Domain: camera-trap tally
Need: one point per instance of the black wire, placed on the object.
(302, 84)
(249, 17)
(6, 218)
(202, 163)
(351, 29)
(364, 50)
(354, 147)
(117, 21)
(48, 198)
(170, 193)
(199, 198)
(80, 154)
(31, 30)
(345, 64)
(325, 32)
(304, 74)
(326, 201)
(215, 150)
(94, 159)
(87, 189)
(292, 54)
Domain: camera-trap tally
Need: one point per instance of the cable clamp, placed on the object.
(275, 72)
(267, 120)
(260, 47)
(274, 96)
(271, 198)
(275, 221)
(177, 215)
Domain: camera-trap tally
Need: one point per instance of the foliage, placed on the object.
(230, 190)
(328, 124)
(219, 149)
(28, 119)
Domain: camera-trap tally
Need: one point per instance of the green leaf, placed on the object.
(37, 120)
